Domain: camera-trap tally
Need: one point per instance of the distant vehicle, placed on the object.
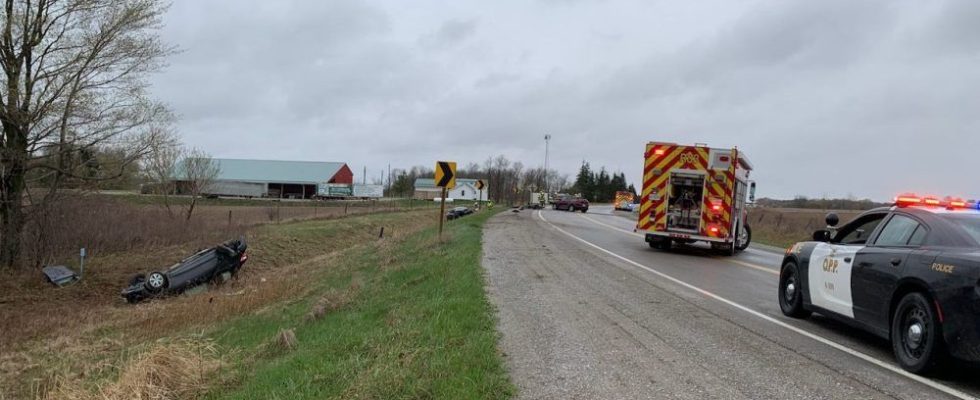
(368, 191)
(695, 193)
(221, 262)
(538, 200)
(457, 212)
(907, 273)
(571, 204)
(623, 201)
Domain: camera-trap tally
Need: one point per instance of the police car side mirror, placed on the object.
(822, 235)
(832, 219)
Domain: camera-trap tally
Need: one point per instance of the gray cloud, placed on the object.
(827, 98)
(451, 32)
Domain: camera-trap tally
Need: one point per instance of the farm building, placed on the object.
(270, 178)
(426, 189)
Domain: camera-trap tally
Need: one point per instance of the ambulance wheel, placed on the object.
(791, 292)
(917, 335)
(744, 238)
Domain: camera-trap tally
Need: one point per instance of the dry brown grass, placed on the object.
(105, 225)
(286, 340)
(785, 226)
(334, 300)
(44, 344)
(178, 369)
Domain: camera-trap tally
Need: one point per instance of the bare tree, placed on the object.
(74, 79)
(199, 174)
(160, 165)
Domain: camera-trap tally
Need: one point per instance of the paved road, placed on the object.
(587, 310)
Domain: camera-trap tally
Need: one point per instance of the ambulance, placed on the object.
(623, 201)
(695, 193)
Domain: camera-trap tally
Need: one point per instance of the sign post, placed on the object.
(479, 186)
(446, 179)
(81, 263)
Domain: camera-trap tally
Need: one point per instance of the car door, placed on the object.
(829, 270)
(878, 267)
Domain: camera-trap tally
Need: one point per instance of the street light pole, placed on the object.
(547, 184)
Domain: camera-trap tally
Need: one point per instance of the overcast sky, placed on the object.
(827, 98)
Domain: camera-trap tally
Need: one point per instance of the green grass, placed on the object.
(417, 324)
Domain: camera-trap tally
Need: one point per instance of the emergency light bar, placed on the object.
(908, 200)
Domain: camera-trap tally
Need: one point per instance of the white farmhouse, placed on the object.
(426, 189)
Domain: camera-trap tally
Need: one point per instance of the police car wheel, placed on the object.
(917, 335)
(791, 292)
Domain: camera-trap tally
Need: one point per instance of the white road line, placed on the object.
(925, 381)
(741, 263)
(749, 265)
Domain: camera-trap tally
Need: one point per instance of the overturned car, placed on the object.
(219, 263)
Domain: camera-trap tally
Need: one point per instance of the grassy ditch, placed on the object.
(324, 309)
(400, 319)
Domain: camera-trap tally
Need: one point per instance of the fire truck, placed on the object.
(695, 194)
(623, 201)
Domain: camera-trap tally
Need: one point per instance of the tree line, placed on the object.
(600, 186)
(508, 182)
(820, 204)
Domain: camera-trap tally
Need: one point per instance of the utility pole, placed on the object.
(547, 184)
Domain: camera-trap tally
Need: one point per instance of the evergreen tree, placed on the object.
(603, 186)
(584, 182)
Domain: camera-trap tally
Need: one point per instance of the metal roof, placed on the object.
(428, 183)
(273, 170)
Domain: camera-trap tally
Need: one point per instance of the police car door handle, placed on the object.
(896, 261)
(847, 259)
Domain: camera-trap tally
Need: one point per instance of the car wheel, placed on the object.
(744, 238)
(155, 282)
(584, 210)
(791, 292)
(917, 339)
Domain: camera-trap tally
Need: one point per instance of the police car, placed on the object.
(909, 273)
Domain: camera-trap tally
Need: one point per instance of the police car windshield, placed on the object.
(969, 222)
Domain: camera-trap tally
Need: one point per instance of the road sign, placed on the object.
(446, 174)
(480, 185)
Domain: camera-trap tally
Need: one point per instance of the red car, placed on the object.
(572, 204)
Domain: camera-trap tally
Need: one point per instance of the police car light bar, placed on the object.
(907, 200)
